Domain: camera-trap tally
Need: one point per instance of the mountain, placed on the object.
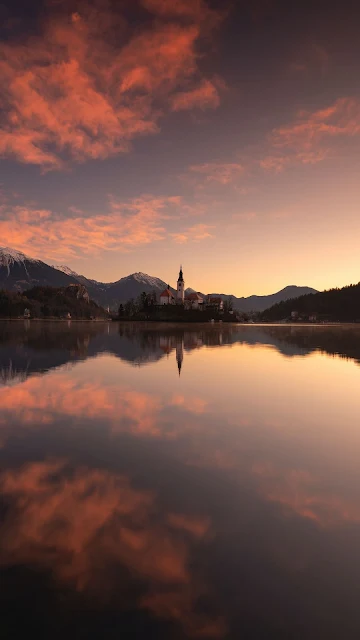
(131, 287)
(18, 272)
(335, 305)
(113, 293)
(82, 279)
(260, 303)
(97, 290)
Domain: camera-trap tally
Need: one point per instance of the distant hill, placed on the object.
(260, 303)
(50, 302)
(335, 305)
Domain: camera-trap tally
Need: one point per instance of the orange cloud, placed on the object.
(81, 524)
(127, 225)
(274, 163)
(75, 92)
(196, 233)
(205, 96)
(310, 131)
(224, 173)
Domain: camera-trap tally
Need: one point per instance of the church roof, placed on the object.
(194, 296)
(166, 294)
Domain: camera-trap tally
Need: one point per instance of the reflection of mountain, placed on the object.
(38, 347)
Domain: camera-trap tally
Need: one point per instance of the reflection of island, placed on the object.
(27, 348)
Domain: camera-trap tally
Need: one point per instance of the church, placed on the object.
(192, 300)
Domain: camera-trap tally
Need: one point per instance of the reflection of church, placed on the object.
(192, 300)
(179, 354)
(183, 341)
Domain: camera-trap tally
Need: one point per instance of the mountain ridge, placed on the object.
(19, 272)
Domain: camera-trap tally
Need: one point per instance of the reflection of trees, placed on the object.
(335, 340)
(40, 346)
(36, 347)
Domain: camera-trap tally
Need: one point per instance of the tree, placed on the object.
(152, 298)
(121, 310)
(228, 304)
(144, 303)
(130, 308)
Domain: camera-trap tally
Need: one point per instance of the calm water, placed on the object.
(169, 483)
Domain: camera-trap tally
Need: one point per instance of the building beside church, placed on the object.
(194, 301)
(167, 297)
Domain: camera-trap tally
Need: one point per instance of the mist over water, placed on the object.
(179, 482)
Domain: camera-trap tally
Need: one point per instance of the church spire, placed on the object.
(180, 294)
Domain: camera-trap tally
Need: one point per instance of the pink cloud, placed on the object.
(308, 134)
(126, 225)
(196, 233)
(222, 172)
(74, 92)
(274, 163)
(205, 96)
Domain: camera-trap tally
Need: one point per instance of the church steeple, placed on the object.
(180, 295)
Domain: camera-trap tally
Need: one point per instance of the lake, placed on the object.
(178, 482)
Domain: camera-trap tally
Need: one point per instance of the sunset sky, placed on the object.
(225, 135)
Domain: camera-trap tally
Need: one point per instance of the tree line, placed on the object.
(47, 302)
(334, 305)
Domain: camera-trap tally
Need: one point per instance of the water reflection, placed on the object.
(27, 348)
(223, 503)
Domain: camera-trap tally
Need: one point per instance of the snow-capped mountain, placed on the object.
(10, 257)
(19, 272)
(143, 278)
(67, 270)
(87, 282)
(131, 287)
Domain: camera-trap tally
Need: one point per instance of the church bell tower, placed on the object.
(180, 295)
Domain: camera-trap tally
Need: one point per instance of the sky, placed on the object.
(136, 135)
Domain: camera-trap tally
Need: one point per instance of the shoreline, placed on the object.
(159, 324)
(54, 320)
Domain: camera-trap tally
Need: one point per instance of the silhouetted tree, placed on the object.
(143, 301)
(130, 308)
